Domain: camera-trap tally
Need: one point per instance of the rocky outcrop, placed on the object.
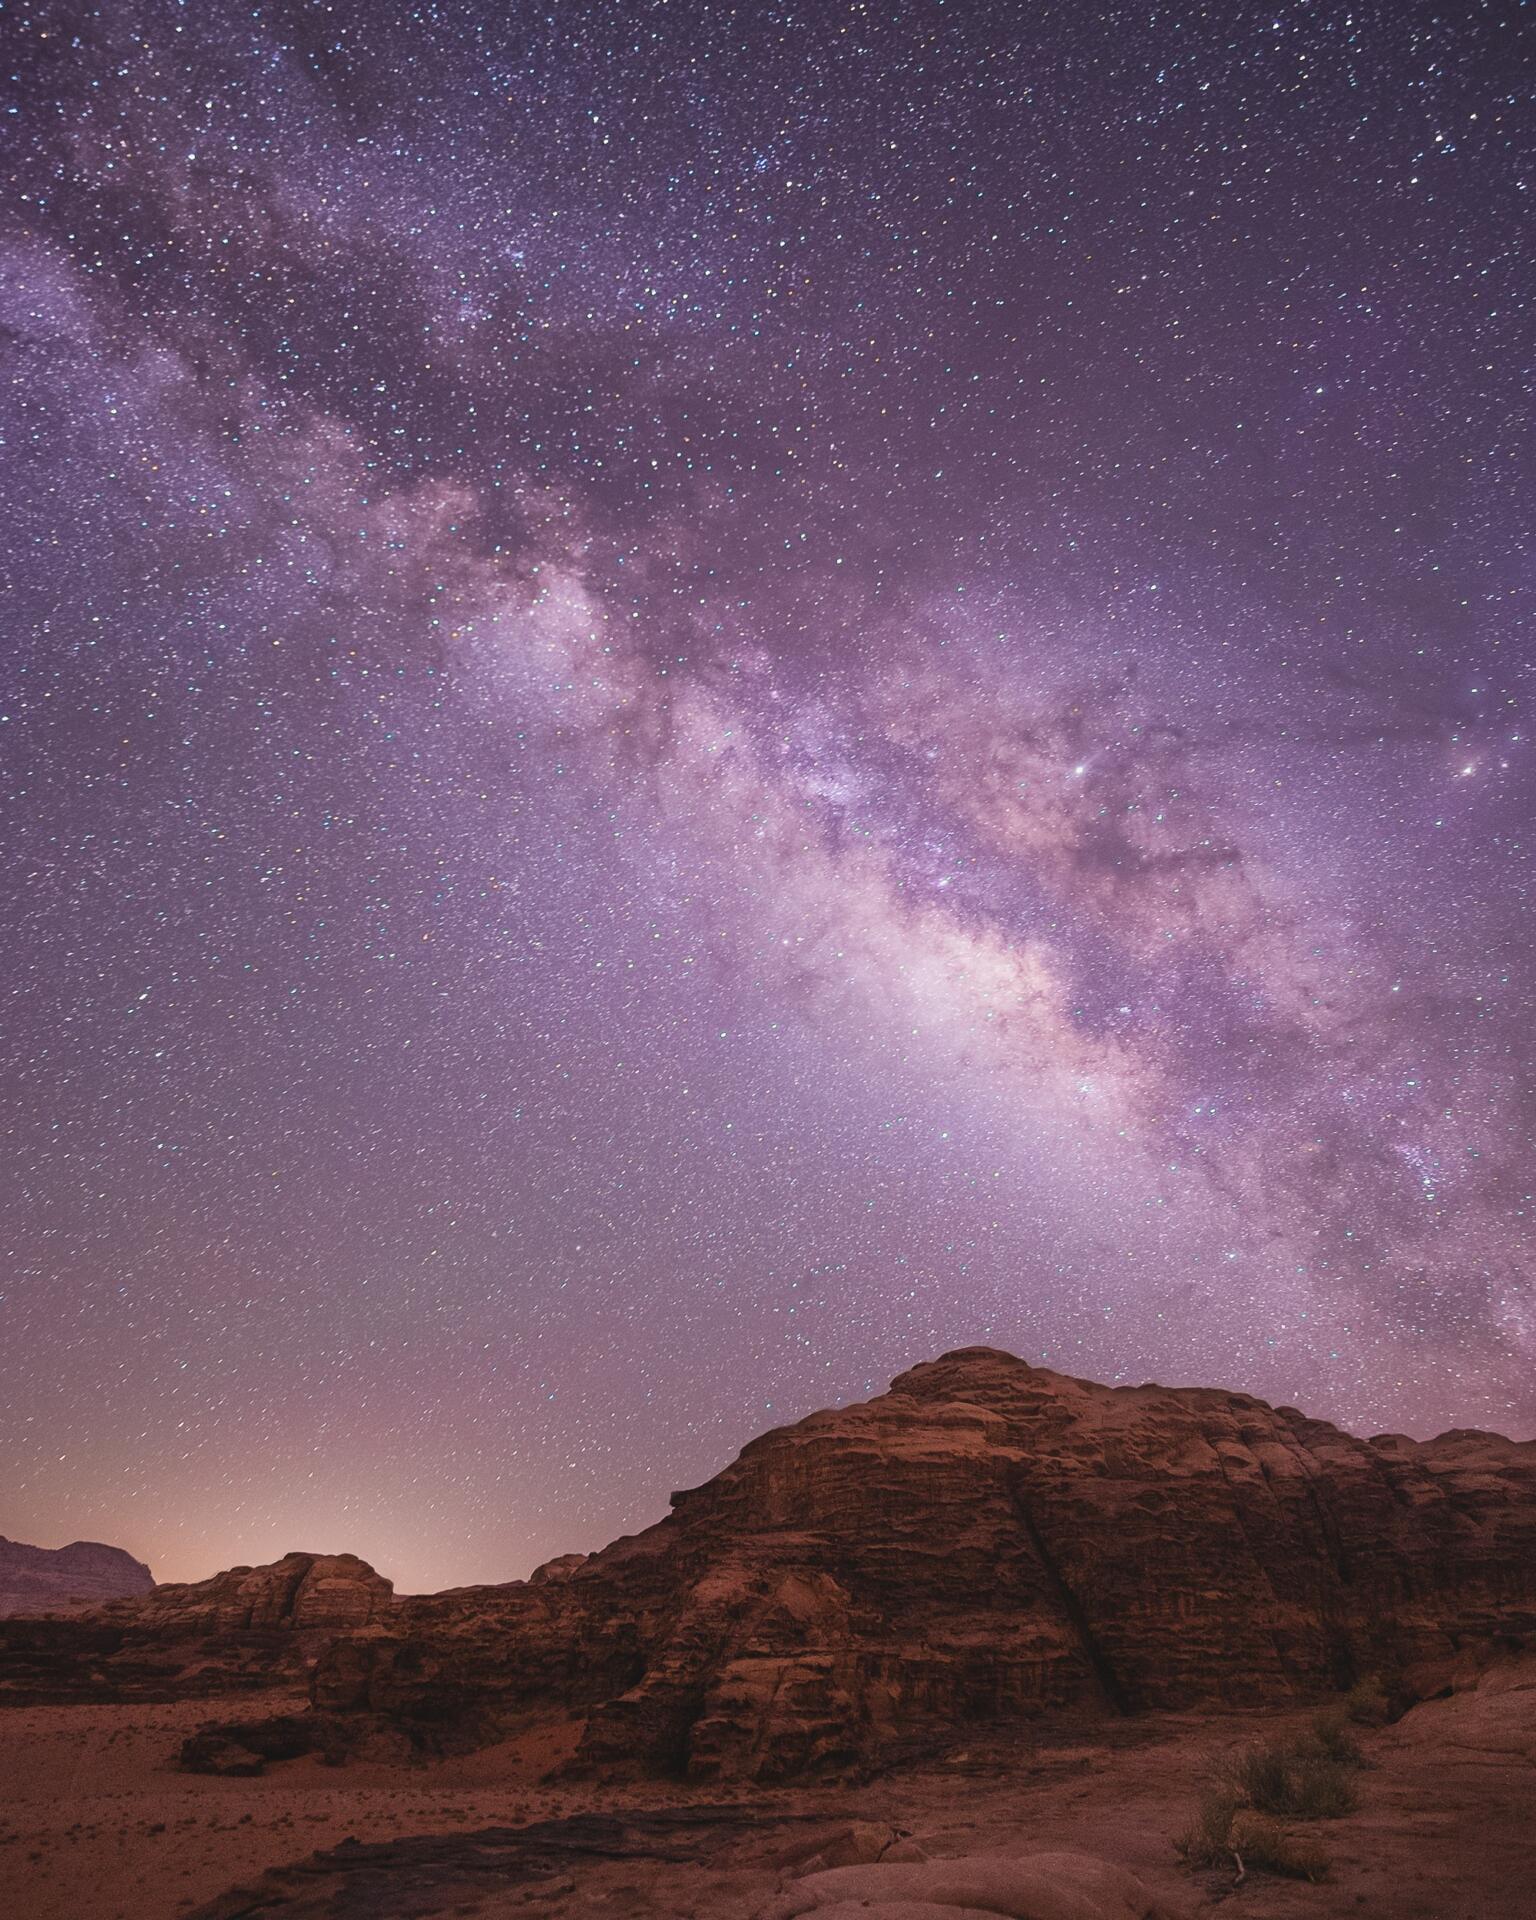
(987, 1540)
(635, 1862)
(64, 1579)
(250, 1627)
(1039, 1886)
(561, 1568)
(302, 1591)
(645, 1863)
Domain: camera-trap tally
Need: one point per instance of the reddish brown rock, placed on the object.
(1038, 1886)
(560, 1568)
(298, 1592)
(985, 1541)
(247, 1628)
(64, 1579)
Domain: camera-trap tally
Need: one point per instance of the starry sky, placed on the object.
(702, 698)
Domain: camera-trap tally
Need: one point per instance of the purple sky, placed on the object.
(699, 699)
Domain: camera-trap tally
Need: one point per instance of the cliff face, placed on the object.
(985, 1540)
(301, 1591)
(46, 1580)
(247, 1628)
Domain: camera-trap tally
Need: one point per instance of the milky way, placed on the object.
(700, 699)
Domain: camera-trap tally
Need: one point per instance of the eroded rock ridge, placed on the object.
(986, 1540)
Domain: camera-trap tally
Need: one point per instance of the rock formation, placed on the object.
(875, 1876)
(1035, 1887)
(987, 1540)
(57, 1579)
(301, 1591)
(246, 1628)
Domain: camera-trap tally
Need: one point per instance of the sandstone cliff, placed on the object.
(987, 1540)
(299, 1592)
(247, 1628)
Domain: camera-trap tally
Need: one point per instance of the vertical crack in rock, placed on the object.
(1071, 1606)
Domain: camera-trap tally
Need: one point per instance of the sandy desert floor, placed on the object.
(97, 1824)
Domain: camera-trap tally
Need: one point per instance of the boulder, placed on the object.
(1040, 1886)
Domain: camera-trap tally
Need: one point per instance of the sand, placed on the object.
(98, 1824)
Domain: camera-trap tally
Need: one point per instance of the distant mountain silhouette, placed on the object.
(50, 1579)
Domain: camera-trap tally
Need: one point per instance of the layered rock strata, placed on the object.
(986, 1541)
(250, 1627)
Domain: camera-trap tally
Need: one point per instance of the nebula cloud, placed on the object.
(696, 709)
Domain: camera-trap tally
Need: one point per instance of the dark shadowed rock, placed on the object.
(60, 1579)
(427, 1875)
(416, 1876)
(218, 1753)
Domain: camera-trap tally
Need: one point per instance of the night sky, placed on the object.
(699, 699)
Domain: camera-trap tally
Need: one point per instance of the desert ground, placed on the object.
(98, 1823)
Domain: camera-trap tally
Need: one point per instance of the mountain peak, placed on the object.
(979, 1368)
(988, 1539)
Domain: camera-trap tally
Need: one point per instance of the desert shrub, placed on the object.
(1367, 1703)
(1318, 1786)
(1259, 1841)
(1248, 1794)
(1330, 1731)
(1205, 1842)
(1298, 1778)
(1259, 1775)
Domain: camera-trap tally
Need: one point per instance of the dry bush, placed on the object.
(1258, 1841)
(1367, 1703)
(1330, 1731)
(1205, 1842)
(1298, 1778)
(1225, 1833)
(1249, 1793)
